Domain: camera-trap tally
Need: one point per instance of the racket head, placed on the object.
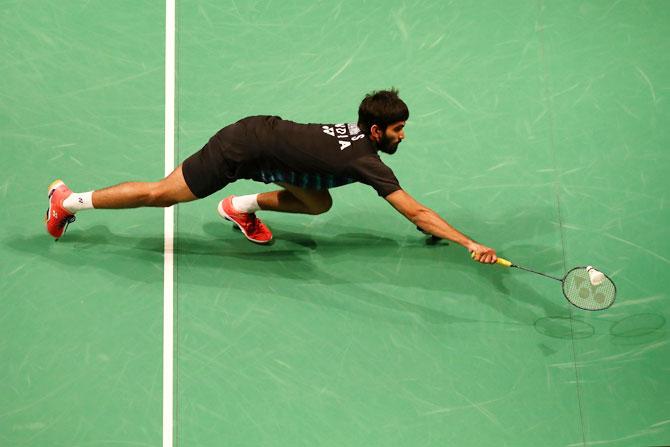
(579, 291)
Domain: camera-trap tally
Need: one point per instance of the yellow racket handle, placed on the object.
(504, 262)
(500, 261)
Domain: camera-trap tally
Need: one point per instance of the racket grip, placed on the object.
(500, 261)
(504, 262)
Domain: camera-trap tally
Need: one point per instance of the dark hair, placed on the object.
(382, 108)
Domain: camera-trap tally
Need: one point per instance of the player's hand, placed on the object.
(482, 253)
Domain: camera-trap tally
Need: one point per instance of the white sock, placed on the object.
(246, 204)
(78, 201)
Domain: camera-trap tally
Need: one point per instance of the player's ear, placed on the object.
(376, 133)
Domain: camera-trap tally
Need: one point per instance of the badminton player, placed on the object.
(305, 160)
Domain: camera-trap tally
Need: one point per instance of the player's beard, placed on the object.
(386, 146)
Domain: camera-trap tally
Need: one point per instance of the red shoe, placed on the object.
(251, 226)
(58, 218)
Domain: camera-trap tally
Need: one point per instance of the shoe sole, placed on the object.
(223, 214)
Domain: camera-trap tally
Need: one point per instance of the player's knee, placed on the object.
(321, 205)
(161, 197)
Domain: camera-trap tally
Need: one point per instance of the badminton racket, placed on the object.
(583, 287)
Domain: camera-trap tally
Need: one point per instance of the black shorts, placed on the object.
(217, 164)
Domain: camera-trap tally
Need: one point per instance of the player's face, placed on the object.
(392, 137)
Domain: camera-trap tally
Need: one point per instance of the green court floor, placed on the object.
(537, 127)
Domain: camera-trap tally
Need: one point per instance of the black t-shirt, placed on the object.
(315, 156)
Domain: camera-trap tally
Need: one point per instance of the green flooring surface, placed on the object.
(536, 127)
(81, 319)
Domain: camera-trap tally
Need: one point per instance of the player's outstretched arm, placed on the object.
(430, 222)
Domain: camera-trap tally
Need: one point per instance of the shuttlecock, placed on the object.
(595, 276)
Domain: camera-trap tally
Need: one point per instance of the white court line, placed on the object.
(168, 256)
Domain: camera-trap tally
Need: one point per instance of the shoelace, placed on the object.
(251, 227)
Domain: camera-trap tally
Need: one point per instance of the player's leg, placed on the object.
(64, 204)
(293, 199)
(166, 192)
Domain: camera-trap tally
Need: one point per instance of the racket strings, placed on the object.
(578, 289)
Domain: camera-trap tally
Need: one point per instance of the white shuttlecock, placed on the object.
(595, 276)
